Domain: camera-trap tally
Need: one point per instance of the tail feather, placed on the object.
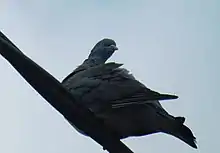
(184, 133)
(187, 136)
(179, 119)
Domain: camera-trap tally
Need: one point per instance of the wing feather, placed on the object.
(107, 86)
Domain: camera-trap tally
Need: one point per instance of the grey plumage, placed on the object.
(126, 105)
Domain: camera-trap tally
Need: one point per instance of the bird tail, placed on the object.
(182, 132)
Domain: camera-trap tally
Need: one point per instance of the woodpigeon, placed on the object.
(124, 104)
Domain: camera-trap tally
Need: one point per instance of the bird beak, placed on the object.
(114, 47)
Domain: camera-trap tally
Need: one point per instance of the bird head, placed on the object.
(103, 50)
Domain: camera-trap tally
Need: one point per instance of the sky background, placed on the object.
(171, 46)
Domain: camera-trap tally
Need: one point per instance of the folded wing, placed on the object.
(108, 86)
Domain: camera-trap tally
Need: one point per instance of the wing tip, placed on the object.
(166, 96)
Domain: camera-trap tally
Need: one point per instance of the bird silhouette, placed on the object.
(123, 103)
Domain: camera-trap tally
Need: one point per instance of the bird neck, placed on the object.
(94, 61)
(90, 62)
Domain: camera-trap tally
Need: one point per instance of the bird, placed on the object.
(124, 104)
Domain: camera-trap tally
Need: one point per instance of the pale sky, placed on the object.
(172, 46)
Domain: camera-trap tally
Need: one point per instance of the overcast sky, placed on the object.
(172, 46)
